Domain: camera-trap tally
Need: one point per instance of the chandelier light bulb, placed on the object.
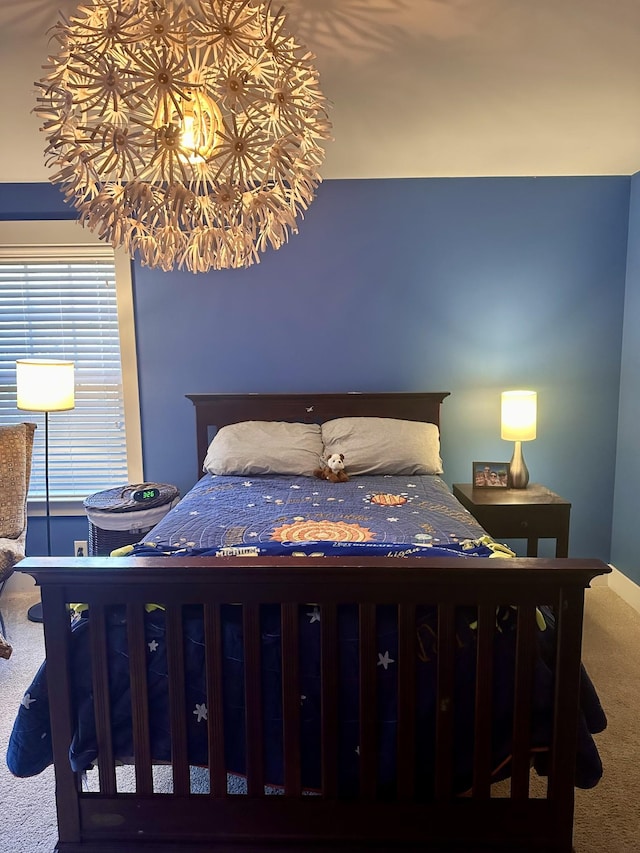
(200, 126)
(190, 133)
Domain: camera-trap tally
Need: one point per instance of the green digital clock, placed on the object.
(148, 494)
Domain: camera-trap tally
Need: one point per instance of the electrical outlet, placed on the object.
(80, 548)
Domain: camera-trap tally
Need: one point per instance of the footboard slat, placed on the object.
(215, 715)
(139, 699)
(525, 653)
(291, 699)
(253, 701)
(329, 698)
(484, 692)
(444, 701)
(101, 703)
(368, 703)
(57, 637)
(406, 767)
(570, 613)
(177, 705)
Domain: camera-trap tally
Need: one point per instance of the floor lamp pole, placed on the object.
(46, 479)
(34, 613)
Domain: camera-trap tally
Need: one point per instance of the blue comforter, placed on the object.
(242, 511)
(367, 515)
(29, 749)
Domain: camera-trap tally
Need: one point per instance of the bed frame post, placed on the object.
(57, 647)
(570, 614)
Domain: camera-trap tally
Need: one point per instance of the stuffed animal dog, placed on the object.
(332, 469)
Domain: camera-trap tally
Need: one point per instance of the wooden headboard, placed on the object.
(214, 411)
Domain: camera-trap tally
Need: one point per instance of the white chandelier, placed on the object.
(187, 132)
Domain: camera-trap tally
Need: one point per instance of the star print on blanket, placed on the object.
(29, 751)
(224, 511)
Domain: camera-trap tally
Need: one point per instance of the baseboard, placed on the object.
(623, 586)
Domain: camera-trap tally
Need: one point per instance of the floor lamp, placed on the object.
(45, 385)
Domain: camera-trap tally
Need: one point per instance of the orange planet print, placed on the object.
(388, 500)
(325, 531)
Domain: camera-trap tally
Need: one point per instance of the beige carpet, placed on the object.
(607, 817)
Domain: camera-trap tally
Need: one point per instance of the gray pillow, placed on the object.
(384, 445)
(250, 448)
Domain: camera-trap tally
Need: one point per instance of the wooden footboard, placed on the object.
(109, 820)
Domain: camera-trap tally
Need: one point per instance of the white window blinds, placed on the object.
(62, 304)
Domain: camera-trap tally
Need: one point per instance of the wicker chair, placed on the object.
(16, 450)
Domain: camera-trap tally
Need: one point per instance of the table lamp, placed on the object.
(518, 424)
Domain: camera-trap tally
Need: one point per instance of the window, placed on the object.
(63, 294)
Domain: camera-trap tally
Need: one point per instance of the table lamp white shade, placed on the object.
(518, 424)
(519, 409)
(45, 385)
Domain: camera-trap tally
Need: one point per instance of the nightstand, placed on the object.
(532, 513)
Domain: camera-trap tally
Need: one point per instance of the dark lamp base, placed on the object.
(34, 613)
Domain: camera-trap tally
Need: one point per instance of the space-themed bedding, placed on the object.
(30, 751)
(270, 511)
(387, 516)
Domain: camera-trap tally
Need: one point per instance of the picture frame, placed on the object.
(491, 475)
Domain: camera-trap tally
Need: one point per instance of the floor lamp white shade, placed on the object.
(45, 385)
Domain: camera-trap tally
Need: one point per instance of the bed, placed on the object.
(329, 677)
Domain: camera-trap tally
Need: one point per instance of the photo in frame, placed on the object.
(491, 475)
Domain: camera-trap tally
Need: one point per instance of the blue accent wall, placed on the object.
(472, 286)
(65, 530)
(33, 202)
(40, 202)
(624, 551)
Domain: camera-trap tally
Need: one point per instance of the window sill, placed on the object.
(57, 507)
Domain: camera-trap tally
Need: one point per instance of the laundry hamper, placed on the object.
(121, 516)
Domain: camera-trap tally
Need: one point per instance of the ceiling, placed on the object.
(420, 88)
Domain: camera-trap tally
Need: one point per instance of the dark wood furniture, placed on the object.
(109, 821)
(217, 410)
(532, 513)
